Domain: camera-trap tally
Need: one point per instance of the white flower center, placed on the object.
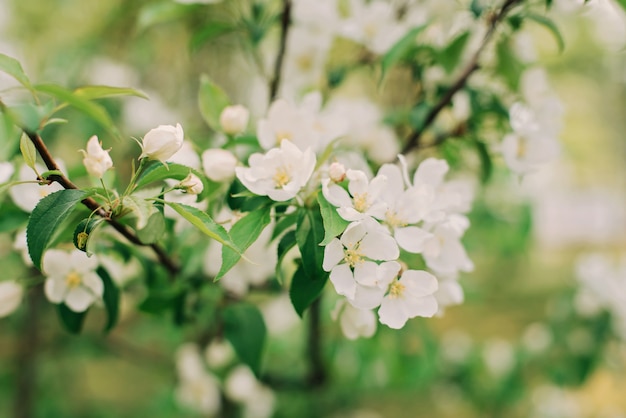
(396, 289)
(522, 148)
(304, 62)
(281, 177)
(73, 280)
(360, 202)
(280, 135)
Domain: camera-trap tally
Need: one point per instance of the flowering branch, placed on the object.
(285, 23)
(413, 140)
(51, 164)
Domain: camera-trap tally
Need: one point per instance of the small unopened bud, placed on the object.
(234, 119)
(219, 164)
(162, 142)
(191, 184)
(337, 172)
(97, 160)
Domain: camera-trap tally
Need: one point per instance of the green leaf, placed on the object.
(305, 290)
(49, 213)
(156, 171)
(93, 110)
(100, 92)
(205, 224)
(286, 243)
(245, 329)
(210, 31)
(509, 67)
(400, 49)
(12, 67)
(72, 321)
(140, 208)
(27, 116)
(28, 151)
(155, 13)
(244, 232)
(111, 299)
(154, 229)
(283, 223)
(309, 234)
(83, 232)
(550, 26)
(485, 160)
(450, 56)
(333, 223)
(211, 100)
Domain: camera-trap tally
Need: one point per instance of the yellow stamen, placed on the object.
(392, 219)
(352, 257)
(522, 148)
(73, 280)
(280, 135)
(396, 290)
(281, 177)
(360, 202)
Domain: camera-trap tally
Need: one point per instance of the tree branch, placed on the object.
(413, 139)
(285, 23)
(317, 371)
(51, 164)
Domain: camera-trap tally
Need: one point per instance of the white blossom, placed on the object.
(96, 160)
(71, 279)
(363, 199)
(410, 296)
(241, 386)
(198, 389)
(280, 173)
(352, 258)
(373, 24)
(10, 297)
(6, 171)
(219, 164)
(162, 142)
(234, 119)
(444, 253)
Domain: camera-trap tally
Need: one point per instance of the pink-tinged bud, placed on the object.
(219, 164)
(97, 160)
(234, 119)
(162, 142)
(337, 172)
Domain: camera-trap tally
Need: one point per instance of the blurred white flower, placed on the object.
(162, 142)
(354, 322)
(234, 119)
(20, 244)
(280, 173)
(241, 386)
(499, 357)
(71, 278)
(219, 353)
(444, 253)
(187, 155)
(96, 160)
(27, 195)
(278, 313)
(197, 389)
(6, 171)
(373, 24)
(10, 297)
(219, 164)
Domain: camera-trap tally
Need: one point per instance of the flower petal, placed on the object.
(333, 254)
(342, 279)
(55, 289)
(79, 299)
(412, 238)
(391, 313)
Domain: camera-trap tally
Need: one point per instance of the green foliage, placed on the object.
(111, 299)
(12, 67)
(309, 235)
(29, 153)
(245, 329)
(400, 50)
(211, 101)
(205, 224)
(450, 56)
(286, 243)
(550, 26)
(305, 290)
(83, 231)
(334, 224)
(162, 12)
(49, 213)
(209, 32)
(28, 116)
(101, 92)
(244, 233)
(71, 321)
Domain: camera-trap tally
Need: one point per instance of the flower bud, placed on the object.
(162, 142)
(97, 160)
(191, 184)
(10, 297)
(234, 119)
(337, 172)
(219, 164)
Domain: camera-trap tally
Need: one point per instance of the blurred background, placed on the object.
(531, 338)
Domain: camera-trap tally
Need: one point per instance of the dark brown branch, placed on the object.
(285, 23)
(51, 164)
(413, 140)
(317, 370)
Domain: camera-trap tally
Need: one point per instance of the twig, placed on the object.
(413, 139)
(51, 164)
(285, 22)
